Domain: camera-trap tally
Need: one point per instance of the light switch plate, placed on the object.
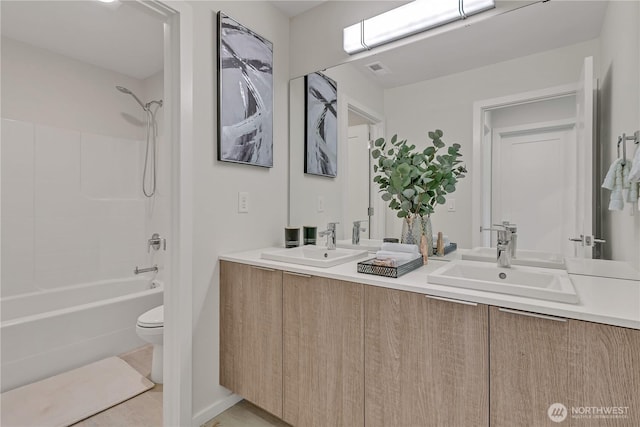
(243, 202)
(451, 205)
(320, 204)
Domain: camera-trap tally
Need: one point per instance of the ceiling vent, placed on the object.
(378, 68)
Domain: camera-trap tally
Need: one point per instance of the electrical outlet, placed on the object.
(451, 205)
(243, 202)
(320, 204)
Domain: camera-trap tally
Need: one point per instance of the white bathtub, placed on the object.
(49, 332)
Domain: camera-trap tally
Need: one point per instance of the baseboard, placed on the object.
(215, 409)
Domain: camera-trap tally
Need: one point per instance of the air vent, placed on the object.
(378, 68)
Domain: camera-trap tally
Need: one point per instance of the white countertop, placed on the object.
(602, 300)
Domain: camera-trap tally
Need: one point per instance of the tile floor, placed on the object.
(145, 410)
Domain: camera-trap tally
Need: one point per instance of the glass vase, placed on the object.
(416, 226)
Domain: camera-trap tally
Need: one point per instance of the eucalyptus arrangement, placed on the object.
(415, 181)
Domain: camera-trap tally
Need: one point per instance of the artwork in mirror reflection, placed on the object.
(321, 130)
(245, 95)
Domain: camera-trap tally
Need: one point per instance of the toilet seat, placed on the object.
(153, 318)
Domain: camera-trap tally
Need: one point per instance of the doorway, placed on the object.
(361, 202)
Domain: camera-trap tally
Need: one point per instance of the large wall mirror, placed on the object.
(515, 102)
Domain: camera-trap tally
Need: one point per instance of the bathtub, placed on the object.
(48, 332)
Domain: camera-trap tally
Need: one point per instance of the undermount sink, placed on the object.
(314, 256)
(371, 245)
(519, 280)
(524, 257)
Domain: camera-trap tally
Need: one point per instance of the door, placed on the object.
(534, 184)
(586, 184)
(358, 179)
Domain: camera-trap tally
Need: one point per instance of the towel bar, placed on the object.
(622, 141)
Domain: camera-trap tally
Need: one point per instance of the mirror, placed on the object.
(436, 83)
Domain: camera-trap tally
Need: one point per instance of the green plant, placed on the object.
(416, 181)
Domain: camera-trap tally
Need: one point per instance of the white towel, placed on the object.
(398, 256)
(400, 247)
(617, 180)
(634, 173)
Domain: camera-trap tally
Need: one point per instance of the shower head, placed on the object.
(128, 92)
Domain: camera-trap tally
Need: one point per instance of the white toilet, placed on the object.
(150, 327)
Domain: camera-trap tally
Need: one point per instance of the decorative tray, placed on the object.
(368, 267)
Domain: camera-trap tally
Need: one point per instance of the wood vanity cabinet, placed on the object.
(323, 351)
(426, 360)
(538, 360)
(529, 362)
(251, 334)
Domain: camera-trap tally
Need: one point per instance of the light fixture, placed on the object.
(409, 19)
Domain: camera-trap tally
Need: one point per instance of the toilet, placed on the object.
(150, 327)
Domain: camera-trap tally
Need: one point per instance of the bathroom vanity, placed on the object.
(331, 347)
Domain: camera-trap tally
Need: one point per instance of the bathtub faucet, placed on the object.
(139, 270)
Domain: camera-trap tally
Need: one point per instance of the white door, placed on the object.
(534, 184)
(358, 182)
(584, 157)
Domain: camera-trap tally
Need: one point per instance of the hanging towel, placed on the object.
(634, 173)
(617, 180)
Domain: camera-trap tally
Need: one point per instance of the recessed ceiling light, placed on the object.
(107, 1)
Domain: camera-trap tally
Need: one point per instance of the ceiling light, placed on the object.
(107, 1)
(409, 19)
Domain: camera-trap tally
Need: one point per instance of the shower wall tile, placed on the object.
(17, 168)
(72, 207)
(110, 167)
(17, 177)
(57, 160)
(66, 267)
(17, 255)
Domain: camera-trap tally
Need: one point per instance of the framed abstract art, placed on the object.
(245, 95)
(321, 125)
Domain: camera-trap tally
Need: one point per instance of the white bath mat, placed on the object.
(72, 396)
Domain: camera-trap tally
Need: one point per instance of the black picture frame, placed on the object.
(321, 125)
(245, 94)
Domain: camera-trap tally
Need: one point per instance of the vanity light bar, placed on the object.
(409, 19)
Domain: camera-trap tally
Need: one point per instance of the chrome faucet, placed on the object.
(355, 233)
(514, 235)
(504, 248)
(330, 232)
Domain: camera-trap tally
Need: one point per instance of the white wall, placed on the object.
(446, 103)
(218, 227)
(73, 150)
(619, 112)
(43, 87)
(305, 189)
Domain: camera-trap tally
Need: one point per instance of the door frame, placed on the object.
(177, 18)
(480, 143)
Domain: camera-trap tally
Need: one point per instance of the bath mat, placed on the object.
(72, 396)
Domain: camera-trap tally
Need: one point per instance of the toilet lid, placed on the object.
(152, 318)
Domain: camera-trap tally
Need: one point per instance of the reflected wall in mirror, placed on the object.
(459, 73)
